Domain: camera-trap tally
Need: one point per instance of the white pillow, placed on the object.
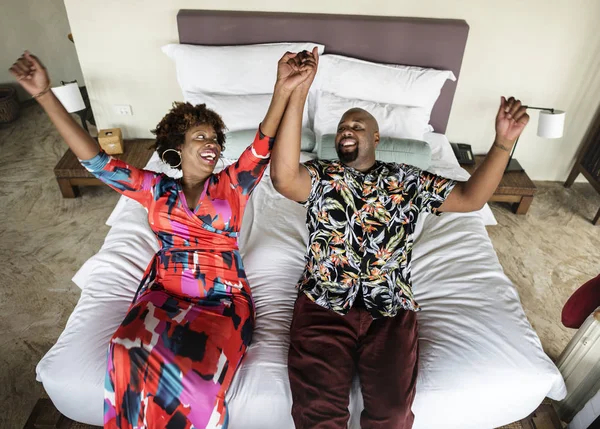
(394, 120)
(239, 112)
(395, 84)
(249, 69)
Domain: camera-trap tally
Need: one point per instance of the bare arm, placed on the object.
(279, 102)
(33, 77)
(473, 194)
(292, 71)
(289, 177)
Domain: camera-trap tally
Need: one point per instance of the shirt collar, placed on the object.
(374, 170)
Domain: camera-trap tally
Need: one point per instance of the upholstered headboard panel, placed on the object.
(435, 43)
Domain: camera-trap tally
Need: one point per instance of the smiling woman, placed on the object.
(173, 357)
(185, 125)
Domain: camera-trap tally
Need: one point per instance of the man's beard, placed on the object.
(345, 156)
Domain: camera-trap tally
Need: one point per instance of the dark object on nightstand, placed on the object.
(86, 115)
(515, 187)
(463, 153)
(513, 165)
(70, 173)
(588, 160)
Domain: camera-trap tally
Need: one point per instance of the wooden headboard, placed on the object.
(434, 43)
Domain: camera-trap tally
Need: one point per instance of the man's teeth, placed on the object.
(348, 143)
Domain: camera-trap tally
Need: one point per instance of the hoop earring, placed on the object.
(166, 162)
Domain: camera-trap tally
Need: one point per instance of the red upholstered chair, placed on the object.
(581, 304)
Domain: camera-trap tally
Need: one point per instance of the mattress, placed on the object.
(481, 365)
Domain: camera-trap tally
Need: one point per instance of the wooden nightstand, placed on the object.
(70, 173)
(516, 188)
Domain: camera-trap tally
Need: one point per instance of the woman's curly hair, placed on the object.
(170, 131)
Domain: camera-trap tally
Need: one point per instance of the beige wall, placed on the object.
(547, 52)
(41, 27)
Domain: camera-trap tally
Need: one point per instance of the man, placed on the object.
(356, 311)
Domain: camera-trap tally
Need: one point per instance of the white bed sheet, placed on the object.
(481, 364)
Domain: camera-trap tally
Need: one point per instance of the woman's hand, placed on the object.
(310, 63)
(31, 74)
(33, 77)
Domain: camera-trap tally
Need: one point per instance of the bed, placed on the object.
(481, 365)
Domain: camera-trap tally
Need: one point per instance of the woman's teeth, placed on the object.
(209, 155)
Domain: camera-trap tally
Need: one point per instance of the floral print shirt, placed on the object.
(361, 228)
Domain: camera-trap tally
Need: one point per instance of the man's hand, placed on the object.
(30, 73)
(295, 69)
(511, 120)
(468, 196)
(310, 61)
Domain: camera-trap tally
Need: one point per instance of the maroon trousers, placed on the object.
(327, 349)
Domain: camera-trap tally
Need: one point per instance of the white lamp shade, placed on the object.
(551, 125)
(70, 97)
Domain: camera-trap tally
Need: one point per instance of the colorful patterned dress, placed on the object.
(174, 355)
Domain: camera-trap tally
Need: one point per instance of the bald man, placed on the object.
(355, 311)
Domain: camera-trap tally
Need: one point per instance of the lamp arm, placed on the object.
(551, 110)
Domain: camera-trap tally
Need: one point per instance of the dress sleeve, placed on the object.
(243, 176)
(123, 178)
(432, 191)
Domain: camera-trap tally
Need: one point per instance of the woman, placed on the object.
(174, 355)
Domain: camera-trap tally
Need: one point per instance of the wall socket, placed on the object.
(123, 109)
